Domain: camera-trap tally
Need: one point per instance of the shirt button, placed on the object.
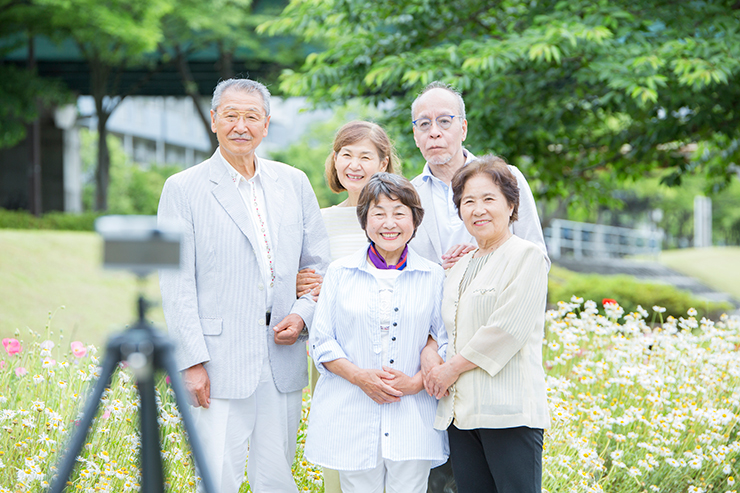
(261, 321)
(393, 338)
(391, 361)
(260, 286)
(395, 309)
(395, 324)
(386, 434)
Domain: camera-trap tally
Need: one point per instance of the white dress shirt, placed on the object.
(344, 423)
(253, 195)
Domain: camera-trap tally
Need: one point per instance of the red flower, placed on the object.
(608, 301)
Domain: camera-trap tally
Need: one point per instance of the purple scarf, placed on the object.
(379, 262)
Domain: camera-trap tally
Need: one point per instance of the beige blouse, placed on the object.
(498, 323)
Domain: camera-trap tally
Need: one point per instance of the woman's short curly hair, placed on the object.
(395, 187)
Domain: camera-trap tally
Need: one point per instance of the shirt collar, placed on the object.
(235, 176)
(358, 260)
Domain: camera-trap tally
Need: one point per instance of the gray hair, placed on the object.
(245, 85)
(395, 187)
(440, 85)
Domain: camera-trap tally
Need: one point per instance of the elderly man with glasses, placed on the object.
(440, 128)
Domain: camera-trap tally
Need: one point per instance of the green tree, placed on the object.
(224, 26)
(566, 90)
(111, 36)
(22, 92)
(134, 188)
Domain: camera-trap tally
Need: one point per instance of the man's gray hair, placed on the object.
(440, 85)
(246, 85)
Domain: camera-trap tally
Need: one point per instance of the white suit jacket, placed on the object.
(427, 242)
(214, 305)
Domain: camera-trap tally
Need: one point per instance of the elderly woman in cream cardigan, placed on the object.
(492, 386)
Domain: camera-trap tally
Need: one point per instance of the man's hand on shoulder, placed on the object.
(198, 385)
(288, 329)
(455, 253)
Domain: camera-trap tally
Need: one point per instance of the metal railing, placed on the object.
(597, 240)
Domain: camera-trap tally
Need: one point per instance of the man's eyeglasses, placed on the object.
(443, 121)
(232, 116)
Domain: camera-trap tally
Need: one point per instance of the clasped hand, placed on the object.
(387, 385)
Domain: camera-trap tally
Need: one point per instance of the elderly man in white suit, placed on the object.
(249, 225)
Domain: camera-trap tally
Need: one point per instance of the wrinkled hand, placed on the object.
(288, 329)
(402, 382)
(307, 281)
(455, 253)
(430, 358)
(439, 380)
(198, 385)
(374, 384)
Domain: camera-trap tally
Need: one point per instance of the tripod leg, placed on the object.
(151, 457)
(91, 407)
(168, 362)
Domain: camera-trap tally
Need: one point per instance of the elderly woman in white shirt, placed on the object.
(492, 386)
(369, 418)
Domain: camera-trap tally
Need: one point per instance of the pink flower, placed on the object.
(78, 349)
(12, 346)
(2, 364)
(20, 371)
(106, 414)
(168, 380)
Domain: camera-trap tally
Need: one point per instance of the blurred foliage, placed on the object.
(310, 152)
(51, 220)
(22, 92)
(629, 292)
(647, 202)
(565, 90)
(134, 188)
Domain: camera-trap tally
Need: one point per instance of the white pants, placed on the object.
(262, 427)
(405, 476)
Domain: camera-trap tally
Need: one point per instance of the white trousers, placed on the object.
(262, 427)
(405, 476)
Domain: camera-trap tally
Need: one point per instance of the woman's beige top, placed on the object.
(497, 322)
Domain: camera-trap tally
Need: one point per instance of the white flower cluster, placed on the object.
(639, 406)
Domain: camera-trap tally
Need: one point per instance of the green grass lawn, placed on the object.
(717, 267)
(41, 271)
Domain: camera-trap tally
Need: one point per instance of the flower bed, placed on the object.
(639, 404)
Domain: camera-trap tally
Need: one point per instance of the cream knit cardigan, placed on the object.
(498, 324)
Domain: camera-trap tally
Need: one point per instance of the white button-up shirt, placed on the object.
(344, 423)
(253, 195)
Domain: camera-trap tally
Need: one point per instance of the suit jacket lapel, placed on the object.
(228, 196)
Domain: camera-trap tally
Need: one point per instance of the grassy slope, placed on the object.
(717, 267)
(40, 271)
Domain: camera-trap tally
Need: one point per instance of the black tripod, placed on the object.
(145, 350)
